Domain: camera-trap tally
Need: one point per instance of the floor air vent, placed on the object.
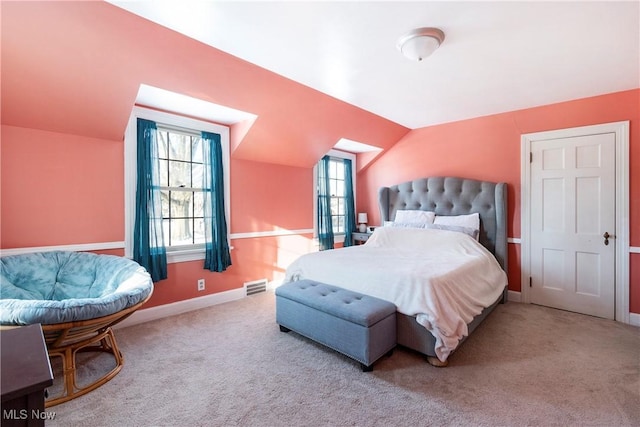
(256, 286)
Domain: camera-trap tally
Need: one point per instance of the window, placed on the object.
(181, 154)
(337, 190)
(181, 187)
(336, 185)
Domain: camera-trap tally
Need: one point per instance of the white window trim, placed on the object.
(339, 238)
(130, 174)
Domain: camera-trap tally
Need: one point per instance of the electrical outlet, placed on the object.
(201, 284)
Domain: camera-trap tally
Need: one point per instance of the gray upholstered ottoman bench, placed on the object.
(359, 326)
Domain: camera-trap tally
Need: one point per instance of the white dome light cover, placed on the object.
(420, 43)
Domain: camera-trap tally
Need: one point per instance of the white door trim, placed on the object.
(621, 129)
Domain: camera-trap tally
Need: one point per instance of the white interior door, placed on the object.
(573, 191)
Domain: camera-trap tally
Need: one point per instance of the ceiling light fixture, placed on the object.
(420, 43)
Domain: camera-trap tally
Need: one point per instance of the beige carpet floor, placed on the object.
(229, 365)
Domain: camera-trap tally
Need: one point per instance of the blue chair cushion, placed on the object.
(63, 286)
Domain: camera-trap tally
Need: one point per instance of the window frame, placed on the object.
(175, 253)
(339, 237)
(167, 187)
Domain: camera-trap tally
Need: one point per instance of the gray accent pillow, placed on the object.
(457, 228)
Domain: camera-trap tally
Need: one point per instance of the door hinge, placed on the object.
(530, 156)
(530, 282)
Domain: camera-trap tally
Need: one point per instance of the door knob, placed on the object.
(606, 236)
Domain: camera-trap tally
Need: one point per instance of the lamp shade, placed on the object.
(420, 43)
(362, 218)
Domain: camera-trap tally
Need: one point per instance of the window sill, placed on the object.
(186, 255)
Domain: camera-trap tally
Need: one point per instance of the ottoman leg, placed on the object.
(284, 329)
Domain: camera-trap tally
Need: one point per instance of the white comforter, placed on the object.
(444, 278)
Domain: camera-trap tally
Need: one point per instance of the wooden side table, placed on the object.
(25, 375)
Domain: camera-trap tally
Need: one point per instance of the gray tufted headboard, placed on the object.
(454, 196)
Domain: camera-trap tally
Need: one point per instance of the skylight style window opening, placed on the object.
(181, 157)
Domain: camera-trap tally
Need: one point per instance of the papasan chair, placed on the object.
(76, 297)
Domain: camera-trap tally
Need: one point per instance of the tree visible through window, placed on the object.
(181, 187)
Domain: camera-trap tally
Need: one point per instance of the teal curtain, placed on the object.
(349, 204)
(325, 226)
(148, 242)
(217, 256)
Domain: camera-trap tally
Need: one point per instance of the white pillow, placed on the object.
(468, 221)
(414, 217)
(410, 224)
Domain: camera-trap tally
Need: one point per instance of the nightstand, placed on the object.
(26, 373)
(359, 238)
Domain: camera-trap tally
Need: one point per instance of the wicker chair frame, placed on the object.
(65, 340)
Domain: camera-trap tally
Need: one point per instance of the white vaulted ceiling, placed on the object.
(497, 56)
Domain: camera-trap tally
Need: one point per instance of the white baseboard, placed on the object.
(174, 308)
(514, 296)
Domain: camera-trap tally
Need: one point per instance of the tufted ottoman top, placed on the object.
(354, 307)
(62, 286)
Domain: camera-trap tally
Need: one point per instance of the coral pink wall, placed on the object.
(253, 259)
(264, 198)
(60, 189)
(488, 148)
(70, 74)
(269, 197)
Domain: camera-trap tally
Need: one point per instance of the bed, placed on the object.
(444, 278)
